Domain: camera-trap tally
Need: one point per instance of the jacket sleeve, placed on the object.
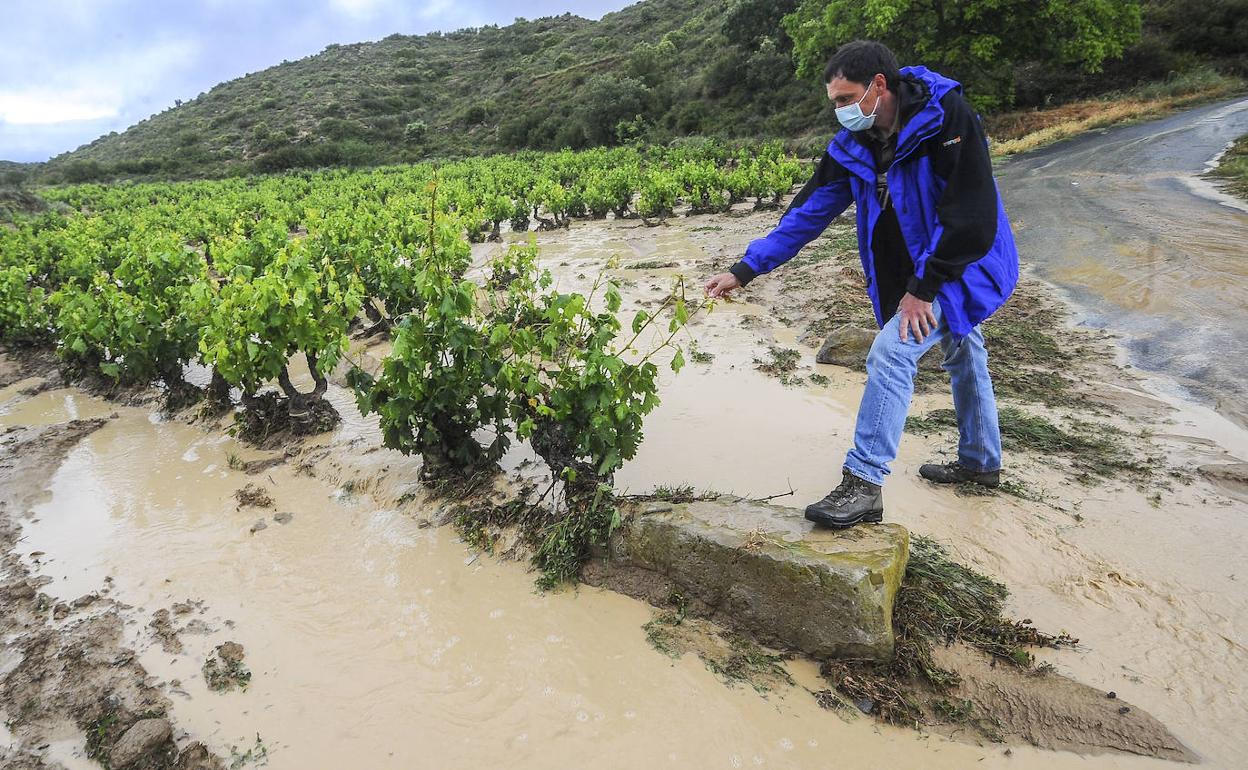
(819, 201)
(966, 212)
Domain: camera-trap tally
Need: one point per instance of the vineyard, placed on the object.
(132, 284)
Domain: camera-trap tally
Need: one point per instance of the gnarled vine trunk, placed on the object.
(309, 412)
(218, 397)
(552, 443)
(178, 392)
(377, 320)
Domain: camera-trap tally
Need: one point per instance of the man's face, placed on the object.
(844, 92)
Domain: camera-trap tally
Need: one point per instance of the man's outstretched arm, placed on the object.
(822, 198)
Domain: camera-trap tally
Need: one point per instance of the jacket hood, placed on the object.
(936, 83)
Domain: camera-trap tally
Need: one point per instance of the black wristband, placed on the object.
(925, 289)
(743, 272)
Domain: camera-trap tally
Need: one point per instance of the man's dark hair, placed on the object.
(862, 60)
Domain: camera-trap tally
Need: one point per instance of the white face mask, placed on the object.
(851, 117)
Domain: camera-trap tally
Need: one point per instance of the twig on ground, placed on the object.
(775, 496)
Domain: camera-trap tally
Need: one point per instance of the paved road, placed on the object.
(1123, 221)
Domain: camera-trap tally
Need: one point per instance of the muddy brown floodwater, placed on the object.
(377, 641)
(374, 642)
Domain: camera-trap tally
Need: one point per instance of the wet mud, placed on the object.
(1047, 711)
(67, 671)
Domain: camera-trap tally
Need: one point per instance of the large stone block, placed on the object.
(848, 346)
(765, 571)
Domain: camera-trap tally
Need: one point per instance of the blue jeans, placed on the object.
(891, 368)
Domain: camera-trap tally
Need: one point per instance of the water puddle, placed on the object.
(50, 407)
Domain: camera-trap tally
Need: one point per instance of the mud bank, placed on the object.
(1051, 712)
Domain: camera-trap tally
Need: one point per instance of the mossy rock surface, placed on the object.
(765, 571)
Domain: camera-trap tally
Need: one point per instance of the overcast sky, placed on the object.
(71, 70)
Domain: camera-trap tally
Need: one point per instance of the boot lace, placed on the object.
(844, 491)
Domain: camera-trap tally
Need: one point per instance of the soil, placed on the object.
(253, 496)
(733, 658)
(1231, 478)
(164, 631)
(224, 670)
(1004, 703)
(69, 667)
(254, 467)
(35, 364)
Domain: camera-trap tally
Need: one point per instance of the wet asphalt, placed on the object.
(1124, 222)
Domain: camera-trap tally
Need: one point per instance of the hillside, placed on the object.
(555, 82)
(12, 173)
(655, 71)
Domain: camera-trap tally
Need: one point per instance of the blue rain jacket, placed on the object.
(947, 205)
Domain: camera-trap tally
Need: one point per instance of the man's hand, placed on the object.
(917, 315)
(720, 285)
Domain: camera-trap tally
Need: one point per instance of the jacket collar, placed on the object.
(912, 96)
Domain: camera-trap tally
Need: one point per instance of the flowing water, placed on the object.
(375, 642)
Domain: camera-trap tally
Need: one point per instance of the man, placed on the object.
(936, 250)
